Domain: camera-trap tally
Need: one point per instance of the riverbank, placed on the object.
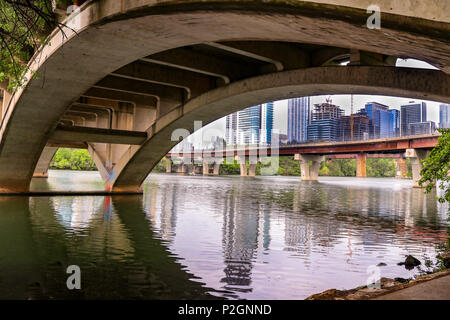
(391, 289)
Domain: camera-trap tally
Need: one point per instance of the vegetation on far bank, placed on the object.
(72, 159)
(336, 167)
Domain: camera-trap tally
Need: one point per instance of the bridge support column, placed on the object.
(361, 159)
(216, 169)
(309, 173)
(416, 156)
(401, 168)
(252, 170)
(168, 166)
(205, 165)
(242, 165)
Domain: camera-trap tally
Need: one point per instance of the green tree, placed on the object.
(24, 26)
(72, 159)
(436, 167)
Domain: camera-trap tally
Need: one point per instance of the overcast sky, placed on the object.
(280, 107)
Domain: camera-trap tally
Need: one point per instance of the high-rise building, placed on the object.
(444, 116)
(426, 127)
(325, 122)
(252, 125)
(298, 120)
(266, 123)
(412, 113)
(380, 118)
(360, 127)
(395, 123)
(231, 128)
(249, 125)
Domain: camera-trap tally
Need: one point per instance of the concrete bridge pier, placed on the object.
(216, 168)
(401, 168)
(416, 156)
(168, 166)
(252, 170)
(361, 169)
(205, 167)
(309, 172)
(243, 167)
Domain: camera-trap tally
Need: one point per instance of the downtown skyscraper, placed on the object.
(252, 125)
(299, 115)
(411, 114)
(444, 116)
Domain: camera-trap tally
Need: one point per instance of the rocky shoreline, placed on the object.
(386, 286)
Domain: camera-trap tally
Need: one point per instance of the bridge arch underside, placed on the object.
(131, 76)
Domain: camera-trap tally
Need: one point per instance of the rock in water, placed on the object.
(410, 261)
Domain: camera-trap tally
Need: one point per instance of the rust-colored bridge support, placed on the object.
(361, 159)
(416, 155)
(401, 168)
(309, 172)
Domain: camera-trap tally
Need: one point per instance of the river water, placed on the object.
(206, 237)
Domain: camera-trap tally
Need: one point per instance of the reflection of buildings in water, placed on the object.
(163, 218)
(240, 239)
(77, 212)
(312, 221)
(150, 200)
(264, 225)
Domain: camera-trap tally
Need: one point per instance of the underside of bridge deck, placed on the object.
(132, 80)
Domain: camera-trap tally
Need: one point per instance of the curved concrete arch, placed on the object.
(111, 34)
(137, 163)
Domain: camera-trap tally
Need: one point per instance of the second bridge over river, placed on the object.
(310, 156)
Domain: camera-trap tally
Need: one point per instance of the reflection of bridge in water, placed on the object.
(109, 238)
(310, 155)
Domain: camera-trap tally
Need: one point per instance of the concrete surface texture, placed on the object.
(436, 289)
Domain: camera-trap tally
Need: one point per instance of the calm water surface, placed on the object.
(206, 237)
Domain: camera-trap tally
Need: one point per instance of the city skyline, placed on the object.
(280, 107)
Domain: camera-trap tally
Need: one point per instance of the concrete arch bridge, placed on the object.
(126, 74)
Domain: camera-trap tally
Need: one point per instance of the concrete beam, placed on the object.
(194, 83)
(168, 93)
(282, 55)
(195, 61)
(271, 66)
(98, 135)
(108, 95)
